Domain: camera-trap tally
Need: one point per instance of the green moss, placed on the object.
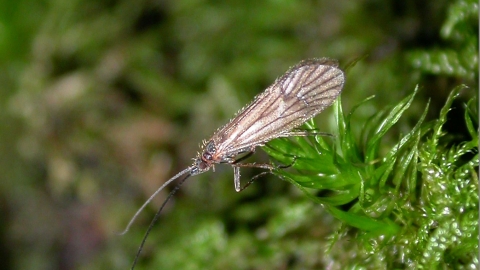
(101, 101)
(416, 205)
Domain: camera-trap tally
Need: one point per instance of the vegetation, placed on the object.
(102, 101)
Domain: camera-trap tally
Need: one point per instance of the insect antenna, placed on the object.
(187, 170)
(157, 215)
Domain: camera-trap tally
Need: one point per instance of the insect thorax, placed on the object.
(209, 152)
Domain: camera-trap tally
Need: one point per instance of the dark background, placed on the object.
(102, 101)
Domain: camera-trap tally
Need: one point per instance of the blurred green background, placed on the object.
(102, 101)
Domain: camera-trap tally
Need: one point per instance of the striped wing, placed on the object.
(303, 92)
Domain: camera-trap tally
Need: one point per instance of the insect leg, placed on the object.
(236, 172)
(289, 165)
(305, 133)
(236, 178)
(244, 157)
(253, 179)
(255, 165)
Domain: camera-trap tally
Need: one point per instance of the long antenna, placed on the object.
(153, 196)
(157, 215)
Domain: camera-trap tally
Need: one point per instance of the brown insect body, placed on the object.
(303, 92)
(300, 94)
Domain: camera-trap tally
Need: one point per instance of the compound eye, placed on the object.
(207, 156)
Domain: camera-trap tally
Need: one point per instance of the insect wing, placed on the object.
(303, 92)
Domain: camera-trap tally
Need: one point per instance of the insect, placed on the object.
(302, 92)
